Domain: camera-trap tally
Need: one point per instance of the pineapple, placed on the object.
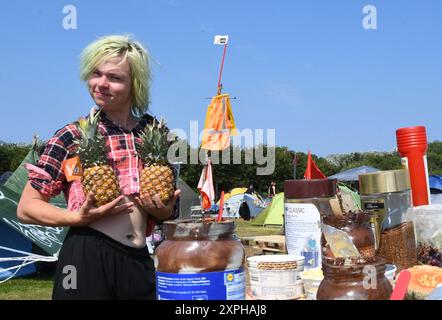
(157, 176)
(98, 177)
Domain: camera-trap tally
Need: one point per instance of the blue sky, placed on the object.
(307, 69)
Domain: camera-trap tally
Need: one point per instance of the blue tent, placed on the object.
(352, 174)
(12, 239)
(435, 182)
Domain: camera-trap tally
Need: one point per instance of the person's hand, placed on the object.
(155, 207)
(89, 213)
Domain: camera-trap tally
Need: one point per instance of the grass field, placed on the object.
(34, 287)
(39, 286)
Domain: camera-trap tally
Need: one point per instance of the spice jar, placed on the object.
(200, 260)
(306, 202)
(346, 279)
(387, 195)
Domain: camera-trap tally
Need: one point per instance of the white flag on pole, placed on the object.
(221, 39)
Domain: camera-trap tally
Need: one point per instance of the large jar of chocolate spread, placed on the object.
(346, 279)
(200, 260)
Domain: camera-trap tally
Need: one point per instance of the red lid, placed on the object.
(411, 137)
(314, 188)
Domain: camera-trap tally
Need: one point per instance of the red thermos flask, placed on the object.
(412, 147)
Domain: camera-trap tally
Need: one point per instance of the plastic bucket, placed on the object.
(276, 277)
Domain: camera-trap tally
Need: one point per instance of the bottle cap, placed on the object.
(411, 138)
(384, 181)
(314, 188)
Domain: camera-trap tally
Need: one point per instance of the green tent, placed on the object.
(351, 200)
(21, 245)
(47, 238)
(273, 214)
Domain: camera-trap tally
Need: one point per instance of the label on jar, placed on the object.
(303, 232)
(225, 285)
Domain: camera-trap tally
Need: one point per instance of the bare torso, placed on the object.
(126, 228)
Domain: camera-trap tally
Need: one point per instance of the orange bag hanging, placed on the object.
(219, 124)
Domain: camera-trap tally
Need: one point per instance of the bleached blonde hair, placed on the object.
(109, 47)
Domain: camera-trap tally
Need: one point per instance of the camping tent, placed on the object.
(351, 200)
(273, 214)
(435, 182)
(238, 203)
(352, 174)
(188, 199)
(18, 241)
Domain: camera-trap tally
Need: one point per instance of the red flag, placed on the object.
(312, 171)
(205, 187)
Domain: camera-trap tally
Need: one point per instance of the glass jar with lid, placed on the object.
(346, 279)
(200, 260)
(306, 202)
(387, 195)
(357, 226)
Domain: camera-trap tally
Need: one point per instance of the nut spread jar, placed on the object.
(354, 279)
(200, 260)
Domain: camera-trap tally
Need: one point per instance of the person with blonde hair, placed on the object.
(105, 245)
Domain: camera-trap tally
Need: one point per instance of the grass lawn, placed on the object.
(39, 286)
(245, 229)
(32, 287)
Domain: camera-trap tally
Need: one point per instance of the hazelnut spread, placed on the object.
(361, 279)
(200, 259)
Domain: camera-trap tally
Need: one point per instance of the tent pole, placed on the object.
(220, 86)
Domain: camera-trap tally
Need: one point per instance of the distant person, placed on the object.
(272, 190)
(250, 189)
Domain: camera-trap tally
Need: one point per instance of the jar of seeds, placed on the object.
(387, 195)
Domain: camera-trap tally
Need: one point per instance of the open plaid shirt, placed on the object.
(48, 177)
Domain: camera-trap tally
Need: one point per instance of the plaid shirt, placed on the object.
(48, 177)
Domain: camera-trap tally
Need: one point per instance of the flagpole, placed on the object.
(221, 70)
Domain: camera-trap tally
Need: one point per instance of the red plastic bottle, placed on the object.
(412, 147)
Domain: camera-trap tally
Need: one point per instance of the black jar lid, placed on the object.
(314, 188)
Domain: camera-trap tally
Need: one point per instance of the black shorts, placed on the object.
(92, 265)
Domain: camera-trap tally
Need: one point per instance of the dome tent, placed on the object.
(353, 173)
(238, 203)
(273, 214)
